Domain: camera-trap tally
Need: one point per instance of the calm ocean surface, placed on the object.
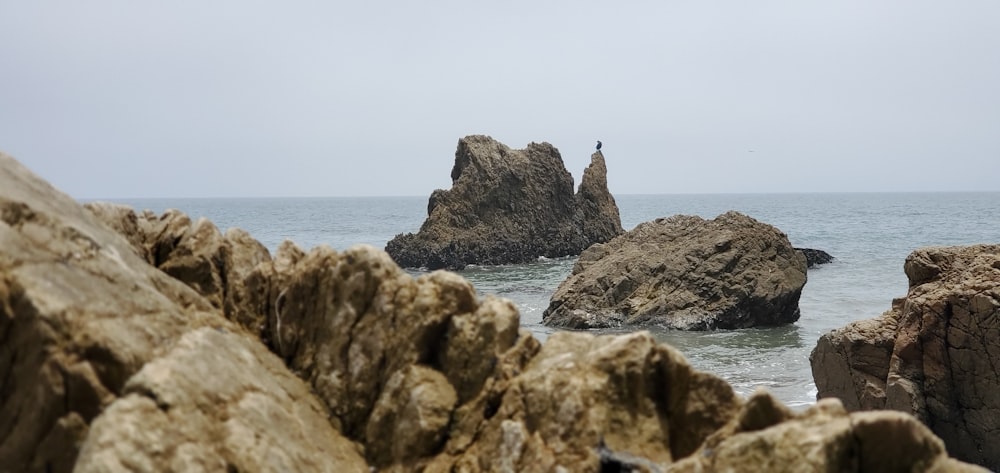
(869, 234)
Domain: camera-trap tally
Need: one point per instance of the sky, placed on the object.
(243, 98)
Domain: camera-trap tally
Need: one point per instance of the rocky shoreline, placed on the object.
(137, 342)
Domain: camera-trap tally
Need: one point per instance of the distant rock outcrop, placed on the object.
(510, 206)
(687, 273)
(935, 354)
(109, 364)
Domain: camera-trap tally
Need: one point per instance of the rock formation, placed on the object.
(934, 354)
(110, 364)
(510, 206)
(766, 436)
(687, 273)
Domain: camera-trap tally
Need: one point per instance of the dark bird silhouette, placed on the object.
(598, 145)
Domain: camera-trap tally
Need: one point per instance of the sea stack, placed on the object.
(685, 273)
(510, 206)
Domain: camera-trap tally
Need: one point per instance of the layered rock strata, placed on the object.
(934, 354)
(510, 206)
(110, 364)
(687, 273)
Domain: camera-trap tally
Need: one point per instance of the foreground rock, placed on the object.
(109, 364)
(232, 271)
(102, 352)
(510, 206)
(934, 354)
(766, 436)
(686, 273)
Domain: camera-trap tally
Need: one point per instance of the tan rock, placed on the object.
(223, 268)
(767, 437)
(216, 401)
(91, 331)
(933, 355)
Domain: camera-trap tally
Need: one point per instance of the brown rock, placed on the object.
(767, 437)
(81, 313)
(583, 400)
(687, 273)
(216, 401)
(223, 268)
(933, 355)
(510, 206)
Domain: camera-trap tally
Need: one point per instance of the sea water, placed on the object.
(869, 234)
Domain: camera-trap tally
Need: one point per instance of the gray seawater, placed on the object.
(869, 234)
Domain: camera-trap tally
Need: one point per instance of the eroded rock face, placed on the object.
(687, 273)
(216, 401)
(391, 353)
(83, 317)
(934, 354)
(766, 436)
(510, 206)
(233, 271)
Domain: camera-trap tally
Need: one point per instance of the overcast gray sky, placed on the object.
(261, 98)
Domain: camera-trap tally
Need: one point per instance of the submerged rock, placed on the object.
(934, 354)
(815, 257)
(687, 273)
(510, 206)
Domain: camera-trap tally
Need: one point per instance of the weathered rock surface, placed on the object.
(687, 273)
(109, 364)
(232, 271)
(510, 206)
(88, 329)
(426, 374)
(766, 436)
(935, 354)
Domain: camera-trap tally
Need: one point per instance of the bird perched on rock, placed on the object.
(598, 145)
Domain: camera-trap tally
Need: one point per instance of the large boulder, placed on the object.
(102, 351)
(687, 273)
(934, 354)
(510, 206)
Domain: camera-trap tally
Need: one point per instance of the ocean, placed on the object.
(869, 234)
